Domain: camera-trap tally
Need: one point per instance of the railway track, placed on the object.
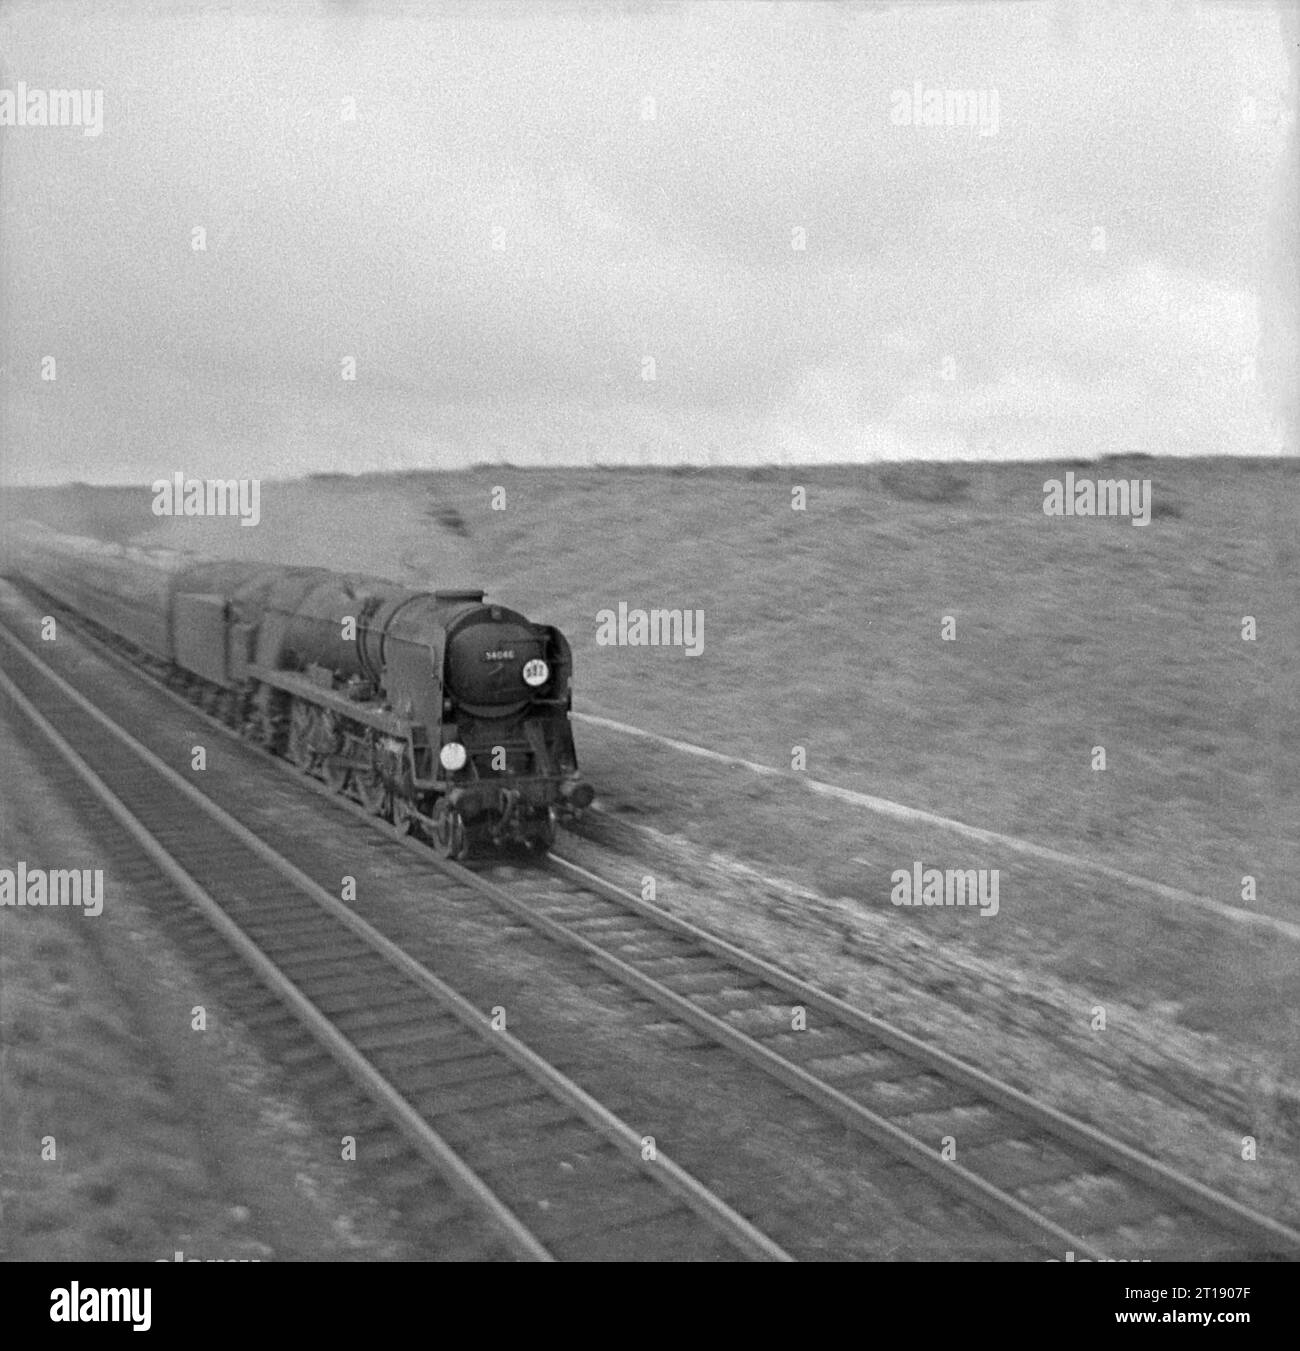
(1051, 1178)
(552, 1171)
(1058, 1180)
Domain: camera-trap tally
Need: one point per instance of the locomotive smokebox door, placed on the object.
(201, 636)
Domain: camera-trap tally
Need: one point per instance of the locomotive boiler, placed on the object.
(438, 710)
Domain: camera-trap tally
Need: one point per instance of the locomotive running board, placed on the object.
(304, 688)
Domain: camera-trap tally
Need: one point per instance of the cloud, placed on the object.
(530, 201)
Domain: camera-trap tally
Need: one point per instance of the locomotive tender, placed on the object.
(437, 710)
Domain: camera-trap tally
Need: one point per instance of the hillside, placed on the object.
(822, 629)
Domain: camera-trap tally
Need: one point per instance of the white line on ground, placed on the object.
(898, 812)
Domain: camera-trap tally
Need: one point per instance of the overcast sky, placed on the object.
(531, 200)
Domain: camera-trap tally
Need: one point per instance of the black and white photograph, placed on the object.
(660, 631)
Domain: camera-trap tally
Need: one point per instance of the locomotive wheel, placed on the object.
(257, 728)
(260, 728)
(403, 814)
(300, 731)
(372, 791)
(541, 832)
(336, 772)
(328, 744)
(450, 838)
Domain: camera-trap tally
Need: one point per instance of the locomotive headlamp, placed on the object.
(536, 672)
(452, 756)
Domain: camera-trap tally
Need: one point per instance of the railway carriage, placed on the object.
(438, 710)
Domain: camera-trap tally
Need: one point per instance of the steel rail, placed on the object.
(1058, 1125)
(662, 1169)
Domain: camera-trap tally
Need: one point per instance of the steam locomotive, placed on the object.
(438, 711)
